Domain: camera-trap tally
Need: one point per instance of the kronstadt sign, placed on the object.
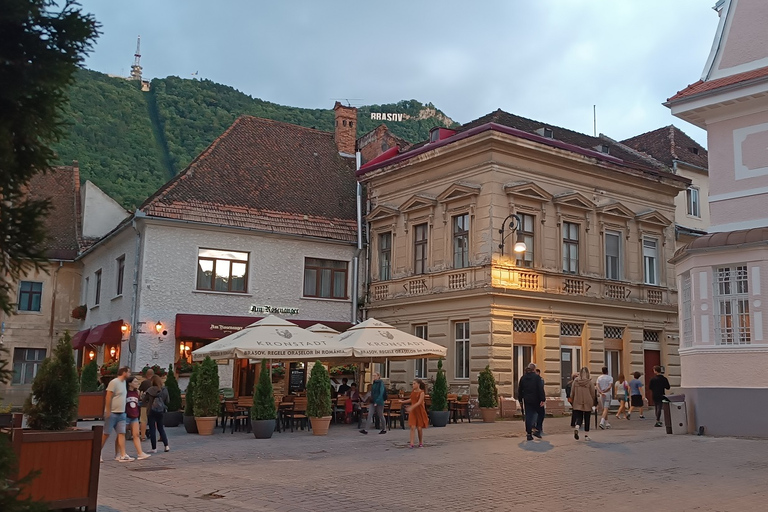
(388, 116)
(273, 309)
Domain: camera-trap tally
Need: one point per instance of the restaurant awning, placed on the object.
(78, 340)
(214, 327)
(109, 333)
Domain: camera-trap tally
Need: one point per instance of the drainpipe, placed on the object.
(53, 305)
(356, 259)
(134, 298)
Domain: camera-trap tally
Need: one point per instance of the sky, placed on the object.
(549, 60)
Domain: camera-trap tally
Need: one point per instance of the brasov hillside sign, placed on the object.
(386, 116)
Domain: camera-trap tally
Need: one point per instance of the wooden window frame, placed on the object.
(318, 278)
(214, 262)
(420, 245)
(30, 295)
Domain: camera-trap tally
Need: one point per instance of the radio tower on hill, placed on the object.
(136, 68)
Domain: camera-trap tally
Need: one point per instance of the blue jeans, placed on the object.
(531, 417)
(156, 425)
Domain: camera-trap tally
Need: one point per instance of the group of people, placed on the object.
(134, 404)
(587, 396)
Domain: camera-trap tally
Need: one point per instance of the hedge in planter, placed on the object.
(438, 411)
(319, 405)
(53, 402)
(206, 406)
(189, 412)
(89, 380)
(263, 411)
(174, 416)
(487, 395)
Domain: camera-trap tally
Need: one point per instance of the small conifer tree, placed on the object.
(487, 393)
(190, 398)
(89, 380)
(440, 390)
(263, 398)
(207, 390)
(174, 392)
(319, 392)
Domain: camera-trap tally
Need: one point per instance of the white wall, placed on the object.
(101, 213)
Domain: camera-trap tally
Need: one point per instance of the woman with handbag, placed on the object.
(156, 398)
(584, 401)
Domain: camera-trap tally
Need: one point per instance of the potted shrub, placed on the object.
(190, 425)
(51, 409)
(206, 394)
(174, 416)
(263, 411)
(319, 406)
(184, 367)
(438, 412)
(278, 372)
(487, 395)
(90, 402)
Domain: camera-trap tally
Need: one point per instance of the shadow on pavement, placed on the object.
(535, 446)
(611, 447)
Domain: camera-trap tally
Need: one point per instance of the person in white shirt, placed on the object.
(604, 389)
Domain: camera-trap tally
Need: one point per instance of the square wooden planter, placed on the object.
(91, 405)
(68, 465)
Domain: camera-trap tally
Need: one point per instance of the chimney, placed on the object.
(346, 128)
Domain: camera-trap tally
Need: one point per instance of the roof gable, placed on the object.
(527, 189)
(574, 200)
(653, 217)
(616, 210)
(417, 202)
(382, 212)
(668, 145)
(459, 191)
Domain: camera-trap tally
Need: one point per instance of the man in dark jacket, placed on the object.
(530, 394)
(658, 385)
(376, 407)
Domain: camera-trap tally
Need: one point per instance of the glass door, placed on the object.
(570, 362)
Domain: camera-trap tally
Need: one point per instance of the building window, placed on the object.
(613, 333)
(385, 256)
(420, 365)
(120, 274)
(97, 299)
(26, 362)
(692, 201)
(383, 369)
(30, 296)
(613, 255)
(527, 223)
(570, 363)
(650, 336)
(522, 356)
(686, 305)
(524, 325)
(613, 362)
(461, 241)
(570, 248)
(420, 249)
(222, 271)
(732, 324)
(325, 279)
(569, 329)
(462, 350)
(651, 260)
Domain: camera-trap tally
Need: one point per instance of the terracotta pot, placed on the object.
(190, 425)
(262, 429)
(439, 418)
(205, 425)
(489, 414)
(320, 425)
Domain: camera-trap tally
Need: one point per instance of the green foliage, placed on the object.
(189, 402)
(439, 390)
(174, 392)
(207, 390)
(319, 402)
(40, 50)
(53, 402)
(89, 380)
(487, 394)
(263, 399)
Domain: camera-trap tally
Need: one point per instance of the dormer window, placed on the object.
(603, 148)
(694, 150)
(546, 132)
(434, 135)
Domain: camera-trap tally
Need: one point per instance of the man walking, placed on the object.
(114, 413)
(376, 407)
(658, 385)
(542, 412)
(530, 394)
(143, 387)
(605, 391)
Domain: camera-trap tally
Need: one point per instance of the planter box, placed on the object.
(68, 462)
(91, 405)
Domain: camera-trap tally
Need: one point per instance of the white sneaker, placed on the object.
(143, 456)
(127, 458)
(153, 450)
(607, 425)
(586, 437)
(167, 448)
(117, 457)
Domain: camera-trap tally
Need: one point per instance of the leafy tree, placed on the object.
(89, 380)
(207, 390)
(53, 402)
(263, 398)
(40, 50)
(319, 402)
(174, 392)
(487, 393)
(189, 403)
(440, 390)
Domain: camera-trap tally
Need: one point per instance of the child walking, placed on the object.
(417, 413)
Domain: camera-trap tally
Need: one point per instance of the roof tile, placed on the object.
(668, 144)
(710, 85)
(61, 186)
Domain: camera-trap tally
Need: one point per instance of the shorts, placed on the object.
(131, 421)
(637, 401)
(605, 401)
(115, 421)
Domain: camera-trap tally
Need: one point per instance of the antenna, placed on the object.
(594, 120)
(136, 67)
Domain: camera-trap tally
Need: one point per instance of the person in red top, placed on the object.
(133, 412)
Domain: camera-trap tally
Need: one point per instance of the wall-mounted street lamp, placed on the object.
(514, 225)
(159, 327)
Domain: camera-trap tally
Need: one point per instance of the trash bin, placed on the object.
(675, 414)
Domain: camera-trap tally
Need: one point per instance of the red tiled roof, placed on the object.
(266, 175)
(669, 144)
(60, 185)
(710, 85)
(750, 236)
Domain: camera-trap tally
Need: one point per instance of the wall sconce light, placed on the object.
(125, 329)
(159, 327)
(91, 355)
(112, 352)
(514, 225)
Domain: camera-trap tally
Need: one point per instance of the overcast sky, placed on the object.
(549, 60)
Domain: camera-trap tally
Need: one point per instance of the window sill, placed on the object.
(24, 312)
(116, 297)
(93, 307)
(215, 292)
(326, 299)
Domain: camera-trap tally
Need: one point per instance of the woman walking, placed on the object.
(636, 395)
(584, 400)
(622, 395)
(156, 399)
(417, 413)
(132, 414)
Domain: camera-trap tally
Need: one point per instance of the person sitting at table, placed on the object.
(344, 387)
(349, 406)
(353, 393)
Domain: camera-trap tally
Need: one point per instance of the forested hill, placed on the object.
(130, 142)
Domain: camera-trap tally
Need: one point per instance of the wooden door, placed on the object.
(651, 358)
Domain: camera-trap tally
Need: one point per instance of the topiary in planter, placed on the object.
(206, 392)
(190, 398)
(53, 402)
(440, 390)
(263, 398)
(89, 380)
(487, 393)
(319, 392)
(174, 392)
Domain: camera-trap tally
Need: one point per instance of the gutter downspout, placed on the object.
(135, 299)
(53, 305)
(356, 259)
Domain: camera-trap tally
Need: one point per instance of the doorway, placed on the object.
(570, 362)
(651, 358)
(523, 355)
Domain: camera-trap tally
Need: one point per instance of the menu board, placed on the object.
(297, 379)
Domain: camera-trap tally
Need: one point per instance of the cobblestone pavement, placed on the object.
(476, 466)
